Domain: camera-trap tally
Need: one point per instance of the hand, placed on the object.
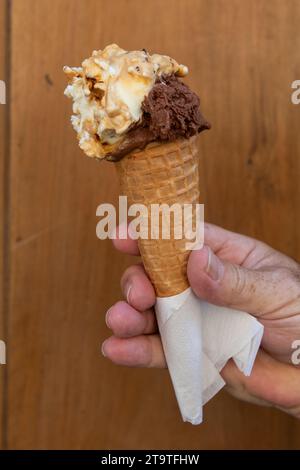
(230, 270)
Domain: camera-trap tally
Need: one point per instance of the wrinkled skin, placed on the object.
(230, 270)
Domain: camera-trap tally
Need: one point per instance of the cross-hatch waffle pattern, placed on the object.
(163, 173)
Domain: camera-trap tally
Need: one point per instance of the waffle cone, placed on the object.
(163, 174)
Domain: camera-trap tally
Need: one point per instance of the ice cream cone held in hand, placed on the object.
(133, 109)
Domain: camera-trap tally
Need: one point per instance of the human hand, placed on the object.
(230, 270)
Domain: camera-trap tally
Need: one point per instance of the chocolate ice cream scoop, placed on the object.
(170, 111)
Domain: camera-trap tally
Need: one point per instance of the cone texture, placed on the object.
(163, 173)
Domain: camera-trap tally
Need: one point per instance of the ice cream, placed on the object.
(170, 111)
(124, 100)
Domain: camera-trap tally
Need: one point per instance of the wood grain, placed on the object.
(243, 57)
(3, 143)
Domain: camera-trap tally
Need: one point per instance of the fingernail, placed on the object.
(103, 348)
(128, 290)
(214, 266)
(107, 321)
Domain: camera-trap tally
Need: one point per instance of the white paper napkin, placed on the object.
(198, 339)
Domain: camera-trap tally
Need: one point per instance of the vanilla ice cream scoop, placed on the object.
(108, 92)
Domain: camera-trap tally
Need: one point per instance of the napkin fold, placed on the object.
(198, 339)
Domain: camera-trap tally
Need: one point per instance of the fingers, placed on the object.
(124, 243)
(137, 288)
(242, 250)
(140, 351)
(229, 246)
(134, 343)
(126, 322)
(223, 283)
(270, 382)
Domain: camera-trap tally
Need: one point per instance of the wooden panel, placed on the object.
(243, 58)
(3, 148)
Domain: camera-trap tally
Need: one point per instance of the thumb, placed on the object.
(223, 283)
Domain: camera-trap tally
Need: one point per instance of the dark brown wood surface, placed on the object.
(243, 57)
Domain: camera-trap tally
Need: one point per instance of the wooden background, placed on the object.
(58, 281)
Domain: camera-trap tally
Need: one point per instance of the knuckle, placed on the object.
(119, 305)
(290, 278)
(240, 282)
(128, 275)
(133, 270)
(296, 275)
